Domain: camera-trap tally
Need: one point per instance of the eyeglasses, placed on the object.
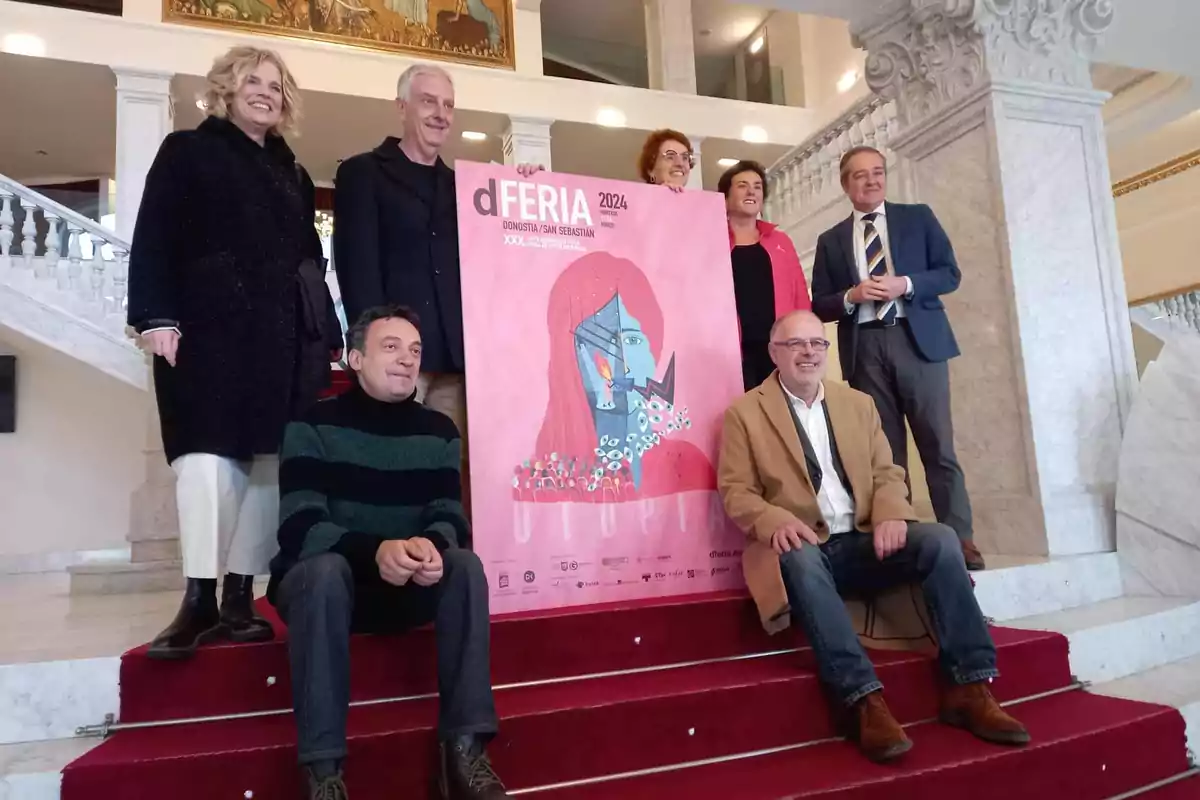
(673, 155)
(795, 345)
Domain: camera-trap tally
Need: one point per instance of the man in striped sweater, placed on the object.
(373, 538)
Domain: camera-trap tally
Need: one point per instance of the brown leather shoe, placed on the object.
(972, 556)
(971, 706)
(880, 737)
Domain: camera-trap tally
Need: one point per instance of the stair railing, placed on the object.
(1171, 313)
(66, 260)
(806, 180)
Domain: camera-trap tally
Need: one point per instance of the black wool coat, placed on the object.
(395, 240)
(221, 234)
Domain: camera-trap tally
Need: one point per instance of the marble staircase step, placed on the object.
(37, 309)
(1175, 684)
(33, 770)
(126, 577)
(154, 550)
(1014, 587)
(1123, 636)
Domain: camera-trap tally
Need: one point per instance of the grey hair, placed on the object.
(404, 85)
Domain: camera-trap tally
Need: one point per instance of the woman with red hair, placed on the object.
(768, 279)
(613, 420)
(667, 159)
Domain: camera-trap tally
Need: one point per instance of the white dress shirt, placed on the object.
(866, 311)
(837, 505)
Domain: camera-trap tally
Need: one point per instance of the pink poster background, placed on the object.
(565, 528)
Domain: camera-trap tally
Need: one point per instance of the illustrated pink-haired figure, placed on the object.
(611, 429)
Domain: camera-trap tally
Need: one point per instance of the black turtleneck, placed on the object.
(358, 471)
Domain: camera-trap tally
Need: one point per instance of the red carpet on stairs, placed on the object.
(1085, 746)
(706, 707)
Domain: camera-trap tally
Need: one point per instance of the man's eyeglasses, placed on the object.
(675, 156)
(796, 345)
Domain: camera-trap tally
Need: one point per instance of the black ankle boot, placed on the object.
(197, 622)
(238, 619)
(465, 773)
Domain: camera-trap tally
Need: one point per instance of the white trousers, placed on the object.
(228, 512)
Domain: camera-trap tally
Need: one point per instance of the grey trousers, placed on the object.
(906, 386)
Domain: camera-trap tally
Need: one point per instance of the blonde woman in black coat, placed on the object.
(226, 287)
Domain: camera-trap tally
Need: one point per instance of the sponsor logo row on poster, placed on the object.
(564, 573)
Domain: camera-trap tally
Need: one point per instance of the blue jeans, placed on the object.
(931, 556)
(322, 605)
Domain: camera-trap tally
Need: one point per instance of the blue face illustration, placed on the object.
(615, 364)
(613, 353)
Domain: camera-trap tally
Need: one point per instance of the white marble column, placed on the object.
(1006, 141)
(670, 47)
(527, 31)
(696, 178)
(527, 141)
(143, 121)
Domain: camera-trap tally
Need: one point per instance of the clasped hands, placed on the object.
(890, 537)
(878, 289)
(416, 559)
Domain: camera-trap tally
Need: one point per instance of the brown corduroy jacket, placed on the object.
(764, 484)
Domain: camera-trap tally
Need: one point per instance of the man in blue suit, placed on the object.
(880, 274)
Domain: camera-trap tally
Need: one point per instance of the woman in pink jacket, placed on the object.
(768, 281)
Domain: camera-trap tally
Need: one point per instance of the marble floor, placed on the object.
(44, 622)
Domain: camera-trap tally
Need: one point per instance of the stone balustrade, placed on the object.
(61, 257)
(805, 180)
(1179, 312)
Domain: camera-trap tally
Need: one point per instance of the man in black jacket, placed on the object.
(395, 236)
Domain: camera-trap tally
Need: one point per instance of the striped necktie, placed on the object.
(877, 265)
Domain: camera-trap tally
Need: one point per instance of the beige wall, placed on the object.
(1159, 224)
(828, 55)
(1159, 229)
(787, 54)
(67, 472)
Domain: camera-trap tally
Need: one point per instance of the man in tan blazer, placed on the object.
(807, 473)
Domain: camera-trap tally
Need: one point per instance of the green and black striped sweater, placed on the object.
(356, 472)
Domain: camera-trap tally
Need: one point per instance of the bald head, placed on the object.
(797, 320)
(798, 349)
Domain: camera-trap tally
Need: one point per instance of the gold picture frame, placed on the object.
(466, 31)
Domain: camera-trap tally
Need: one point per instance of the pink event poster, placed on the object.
(601, 353)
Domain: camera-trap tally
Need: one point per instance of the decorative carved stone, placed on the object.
(933, 53)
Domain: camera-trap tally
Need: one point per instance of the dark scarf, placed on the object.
(815, 473)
